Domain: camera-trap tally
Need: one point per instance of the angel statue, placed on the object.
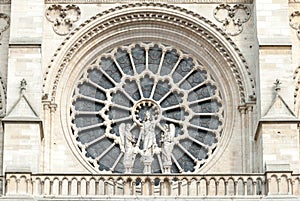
(167, 146)
(127, 143)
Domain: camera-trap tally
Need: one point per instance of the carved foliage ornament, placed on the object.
(4, 23)
(295, 22)
(62, 17)
(161, 100)
(232, 17)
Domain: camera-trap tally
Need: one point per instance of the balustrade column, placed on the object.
(87, 187)
(17, 185)
(97, 187)
(127, 187)
(290, 188)
(245, 189)
(42, 187)
(161, 188)
(197, 187)
(179, 187)
(51, 188)
(226, 188)
(235, 191)
(217, 188)
(59, 187)
(78, 187)
(134, 188)
(152, 187)
(278, 185)
(254, 188)
(69, 187)
(188, 188)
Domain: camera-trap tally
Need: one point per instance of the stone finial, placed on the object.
(23, 85)
(277, 84)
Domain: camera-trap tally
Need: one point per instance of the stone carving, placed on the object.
(127, 143)
(142, 103)
(277, 84)
(149, 141)
(23, 85)
(4, 23)
(232, 17)
(167, 146)
(63, 18)
(295, 22)
(50, 86)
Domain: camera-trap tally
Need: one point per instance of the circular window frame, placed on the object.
(222, 56)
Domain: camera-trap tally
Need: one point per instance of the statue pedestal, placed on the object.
(167, 167)
(147, 165)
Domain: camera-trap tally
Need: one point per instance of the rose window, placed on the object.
(146, 108)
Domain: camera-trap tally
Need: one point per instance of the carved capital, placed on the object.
(232, 17)
(295, 22)
(63, 17)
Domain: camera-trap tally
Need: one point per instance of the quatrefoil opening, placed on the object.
(63, 18)
(232, 17)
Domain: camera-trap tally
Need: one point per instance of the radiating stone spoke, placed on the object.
(121, 119)
(175, 66)
(172, 120)
(185, 77)
(128, 96)
(187, 152)
(121, 107)
(132, 64)
(197, 86)
(160, 162)
(201, 128)
(87, 112)
(161, 62)
(177, 164)
(204, 114)
(108, 77)
(94, 141)
(92, 99)
(171, 107)
(198, 142)
(117, 161)
(95, 85)
(201, 100)
(118, 66)
(105, 152)
(164, 97)
(90, 127)
(140, 89)
(153, 90)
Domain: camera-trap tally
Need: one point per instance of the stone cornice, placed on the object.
(154, 1)
(5, 1)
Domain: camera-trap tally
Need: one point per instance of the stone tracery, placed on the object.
(134, 93)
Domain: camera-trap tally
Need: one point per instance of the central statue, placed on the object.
(149, 141)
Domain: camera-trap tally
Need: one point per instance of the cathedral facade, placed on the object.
(144, 100)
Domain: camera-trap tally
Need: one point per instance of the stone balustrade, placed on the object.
(151, 185)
